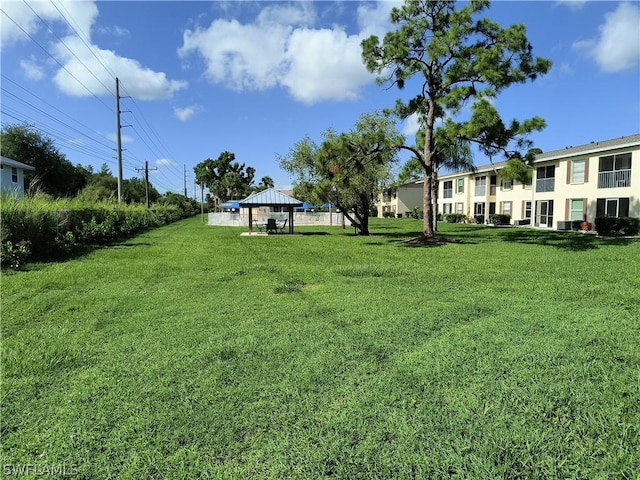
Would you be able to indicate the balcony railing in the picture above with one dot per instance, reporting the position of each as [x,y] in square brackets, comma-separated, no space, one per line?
[492,190]
[447,193]
[614,179]
[545,184]
[481,190]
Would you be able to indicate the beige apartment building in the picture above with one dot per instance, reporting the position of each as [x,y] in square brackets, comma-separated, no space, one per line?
[575,183]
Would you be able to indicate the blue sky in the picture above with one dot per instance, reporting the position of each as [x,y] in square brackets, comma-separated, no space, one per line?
[253,78]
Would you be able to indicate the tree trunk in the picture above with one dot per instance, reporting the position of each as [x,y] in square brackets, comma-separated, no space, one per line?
[436,192]
[427,196]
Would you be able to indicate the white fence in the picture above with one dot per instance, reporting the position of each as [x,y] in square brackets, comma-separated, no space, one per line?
[234,219]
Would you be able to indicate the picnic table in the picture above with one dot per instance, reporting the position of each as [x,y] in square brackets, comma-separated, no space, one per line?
[271,225]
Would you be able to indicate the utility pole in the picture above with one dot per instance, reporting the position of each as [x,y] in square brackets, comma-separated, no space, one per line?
[146,179]
[118,141]
[202,201]
[185,180]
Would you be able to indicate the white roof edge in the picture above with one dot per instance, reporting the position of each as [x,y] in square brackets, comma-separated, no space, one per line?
[14,163]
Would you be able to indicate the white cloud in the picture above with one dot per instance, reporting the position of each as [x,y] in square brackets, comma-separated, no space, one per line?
[186,113]
[165,162]
[92,67]
[280,48]
[31,69]
[240,56]
[618,46]
[114,31]
[411,125]
[86,65]
[324,65]
[572,4]
[123,138]
[82,14]
[299,14]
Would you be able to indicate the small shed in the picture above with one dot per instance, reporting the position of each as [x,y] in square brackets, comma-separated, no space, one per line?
[270,198]
[12,175]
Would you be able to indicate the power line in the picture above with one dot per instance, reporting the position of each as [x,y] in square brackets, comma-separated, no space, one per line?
[55,59]
[55,119]
[53,107]
[82,37]
[66,46]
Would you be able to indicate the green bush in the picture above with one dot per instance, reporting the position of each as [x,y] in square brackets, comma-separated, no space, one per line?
[455,218]
[499,219]
[417,212]
[388,214]
[617,226]
[14,256]
[53,227]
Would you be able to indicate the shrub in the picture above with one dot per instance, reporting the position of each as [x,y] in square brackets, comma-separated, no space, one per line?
[617,226]
[417,212]
[499,219]
[52,227]
[455,218]
[14,255]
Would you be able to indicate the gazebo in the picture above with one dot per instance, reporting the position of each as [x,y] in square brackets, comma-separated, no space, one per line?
[270,198]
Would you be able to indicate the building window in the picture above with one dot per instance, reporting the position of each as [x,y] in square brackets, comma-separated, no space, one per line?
[615,171]
[481,186]
[506,208]
[459,207]
[446,208]
[545,179]
[612,207]
[528,184]
[527,209]
[507,184]
[576,210]
[493,184]
[14,174]
[578,172]
[460,185]
[447,191]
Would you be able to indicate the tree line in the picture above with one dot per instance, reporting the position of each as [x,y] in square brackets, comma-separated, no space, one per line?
[56,176]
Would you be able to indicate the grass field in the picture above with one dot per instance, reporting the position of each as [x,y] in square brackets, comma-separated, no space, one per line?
[191,352]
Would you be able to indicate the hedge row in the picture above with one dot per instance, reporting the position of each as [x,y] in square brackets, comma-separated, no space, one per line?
[617,226]
[43,228]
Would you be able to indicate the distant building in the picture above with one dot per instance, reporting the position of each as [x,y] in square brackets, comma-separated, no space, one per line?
[575,183]
[12,178]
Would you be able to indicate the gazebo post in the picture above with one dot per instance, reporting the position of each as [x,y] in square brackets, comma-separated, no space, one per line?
[290,220]
[250,220]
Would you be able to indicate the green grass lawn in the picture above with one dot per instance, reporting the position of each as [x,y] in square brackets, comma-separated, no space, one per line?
[191,352]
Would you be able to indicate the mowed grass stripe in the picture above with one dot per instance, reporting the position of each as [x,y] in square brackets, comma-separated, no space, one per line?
[192,352]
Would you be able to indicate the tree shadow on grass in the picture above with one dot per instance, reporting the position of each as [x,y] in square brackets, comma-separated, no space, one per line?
[476,234]
[572,241]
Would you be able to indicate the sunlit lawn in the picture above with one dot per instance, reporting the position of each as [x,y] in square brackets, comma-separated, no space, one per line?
[191,352]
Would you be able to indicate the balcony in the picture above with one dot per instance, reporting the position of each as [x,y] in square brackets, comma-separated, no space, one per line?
[447,193]
[481,190]
[545,184]
[614,179]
